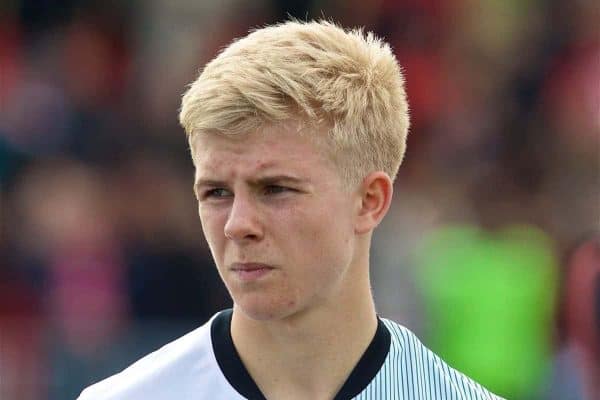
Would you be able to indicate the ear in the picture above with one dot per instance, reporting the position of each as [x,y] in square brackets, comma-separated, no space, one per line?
[375,198]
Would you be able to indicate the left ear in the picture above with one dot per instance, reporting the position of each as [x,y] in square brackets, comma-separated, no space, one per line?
[375,192]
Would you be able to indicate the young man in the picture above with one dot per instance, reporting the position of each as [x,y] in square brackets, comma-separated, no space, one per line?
[296,132]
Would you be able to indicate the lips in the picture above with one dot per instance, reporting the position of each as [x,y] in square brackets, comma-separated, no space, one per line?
[250,271]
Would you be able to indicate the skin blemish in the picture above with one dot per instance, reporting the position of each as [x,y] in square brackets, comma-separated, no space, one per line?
[261,164]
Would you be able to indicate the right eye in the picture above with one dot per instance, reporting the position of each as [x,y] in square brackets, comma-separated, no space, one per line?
[217,193]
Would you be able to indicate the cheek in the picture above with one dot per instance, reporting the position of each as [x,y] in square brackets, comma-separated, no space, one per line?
[323,241]
[212,226]
[338,237]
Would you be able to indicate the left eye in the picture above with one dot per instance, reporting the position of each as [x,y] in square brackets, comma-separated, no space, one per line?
[275,189]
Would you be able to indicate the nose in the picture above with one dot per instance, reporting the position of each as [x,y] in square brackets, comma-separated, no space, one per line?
[243,222]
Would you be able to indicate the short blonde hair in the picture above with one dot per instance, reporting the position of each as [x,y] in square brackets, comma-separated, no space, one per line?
[347,80]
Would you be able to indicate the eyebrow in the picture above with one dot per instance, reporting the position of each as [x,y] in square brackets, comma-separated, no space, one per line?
[263,181]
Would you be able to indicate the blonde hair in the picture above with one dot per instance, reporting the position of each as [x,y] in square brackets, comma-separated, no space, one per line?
[348,81]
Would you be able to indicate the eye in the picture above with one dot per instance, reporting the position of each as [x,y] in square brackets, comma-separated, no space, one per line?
[276,189]
[217,193]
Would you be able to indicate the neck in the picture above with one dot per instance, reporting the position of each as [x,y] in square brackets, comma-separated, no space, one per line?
[313,351]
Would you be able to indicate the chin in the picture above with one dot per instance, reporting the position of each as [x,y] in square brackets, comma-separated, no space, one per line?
[265,309]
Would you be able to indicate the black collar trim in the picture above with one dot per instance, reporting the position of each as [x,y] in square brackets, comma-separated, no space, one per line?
[238,377]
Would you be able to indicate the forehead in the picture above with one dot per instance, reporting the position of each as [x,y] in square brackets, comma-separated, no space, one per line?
[281,147]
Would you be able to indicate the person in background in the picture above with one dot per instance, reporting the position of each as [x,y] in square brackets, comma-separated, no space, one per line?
[488,290]
[577,363]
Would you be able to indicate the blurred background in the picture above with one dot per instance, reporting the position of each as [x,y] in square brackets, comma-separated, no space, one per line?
[490,252]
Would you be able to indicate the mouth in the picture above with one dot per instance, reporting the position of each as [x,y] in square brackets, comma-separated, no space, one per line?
[248,272]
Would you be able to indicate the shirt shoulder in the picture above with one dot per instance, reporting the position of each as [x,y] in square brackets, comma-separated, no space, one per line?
[183,369]
[412,371]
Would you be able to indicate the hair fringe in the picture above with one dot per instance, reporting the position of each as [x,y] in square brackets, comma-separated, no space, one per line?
[318,72]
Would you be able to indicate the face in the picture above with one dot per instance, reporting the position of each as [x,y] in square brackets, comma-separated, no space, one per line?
[277,219]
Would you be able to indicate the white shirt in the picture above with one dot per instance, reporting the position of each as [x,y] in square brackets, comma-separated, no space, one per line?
[204,365]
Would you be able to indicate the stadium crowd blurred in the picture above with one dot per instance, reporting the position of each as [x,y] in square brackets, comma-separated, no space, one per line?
[490,252]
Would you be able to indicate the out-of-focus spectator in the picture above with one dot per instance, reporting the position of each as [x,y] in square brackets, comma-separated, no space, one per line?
[577,366]
[489,299]
[68,235]
[68,231]
[23,372]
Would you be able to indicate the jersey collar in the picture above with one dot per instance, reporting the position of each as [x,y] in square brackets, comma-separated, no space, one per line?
[238,377]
